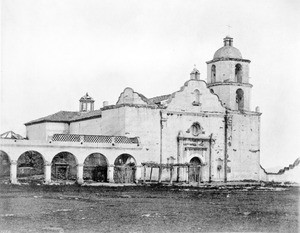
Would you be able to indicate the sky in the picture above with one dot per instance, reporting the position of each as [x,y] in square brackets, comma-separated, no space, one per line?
[54,51]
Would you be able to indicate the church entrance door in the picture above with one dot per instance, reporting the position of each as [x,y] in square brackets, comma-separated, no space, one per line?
[195,170]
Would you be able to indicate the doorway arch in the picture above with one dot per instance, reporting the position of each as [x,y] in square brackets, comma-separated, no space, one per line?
[64,166]
[95,168]
[125,168]
[4,165]
[30,166]
[195,169]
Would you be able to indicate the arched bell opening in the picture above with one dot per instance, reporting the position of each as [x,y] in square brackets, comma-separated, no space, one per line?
[30,167]
[240,99]
[95,168]
[125,169]
[239,73]
[64,166]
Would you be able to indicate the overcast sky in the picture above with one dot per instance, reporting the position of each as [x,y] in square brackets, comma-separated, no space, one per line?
[54,51]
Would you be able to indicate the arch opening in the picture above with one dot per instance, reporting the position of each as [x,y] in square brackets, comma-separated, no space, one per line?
[195,169]
[240,99]
[239,73]
[213,73]
[95,168]
[125,169]
[4,166]
[30,167]
[64,166]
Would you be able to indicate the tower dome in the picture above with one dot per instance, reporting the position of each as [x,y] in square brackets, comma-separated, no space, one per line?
[228,51]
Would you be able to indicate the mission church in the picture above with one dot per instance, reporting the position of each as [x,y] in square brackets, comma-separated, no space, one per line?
[206,130]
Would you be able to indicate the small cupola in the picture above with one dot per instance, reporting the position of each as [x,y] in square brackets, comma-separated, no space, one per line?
[86,103]
[195,74]
[228,41]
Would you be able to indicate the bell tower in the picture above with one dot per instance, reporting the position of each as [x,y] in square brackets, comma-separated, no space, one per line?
[228,77]
[86,103]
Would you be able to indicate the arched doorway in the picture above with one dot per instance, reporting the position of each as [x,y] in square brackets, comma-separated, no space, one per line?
[64,167]
[195,170]
[4,165]
[95,168]
[125,167]
[30,166]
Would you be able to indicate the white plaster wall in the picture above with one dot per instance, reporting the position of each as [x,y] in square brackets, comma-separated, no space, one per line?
[244,151]
[144,123]
[227,95]
[42,131]
[36,131]
[292,175]
[113,122]
[89,127]
[183,99]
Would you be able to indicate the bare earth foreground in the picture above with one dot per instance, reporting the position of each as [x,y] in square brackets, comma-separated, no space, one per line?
[71,208]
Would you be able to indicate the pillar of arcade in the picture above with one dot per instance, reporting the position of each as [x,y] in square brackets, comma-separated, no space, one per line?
[110,174]
[80,173]
[13,171]
[47,171]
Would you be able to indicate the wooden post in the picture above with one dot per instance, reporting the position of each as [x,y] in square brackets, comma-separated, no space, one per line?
[188,175]
[199,175]
[151,174]
[145,174]
[171,175]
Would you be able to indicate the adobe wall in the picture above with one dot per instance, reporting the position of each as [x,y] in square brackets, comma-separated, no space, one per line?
[244,147]
[42,131]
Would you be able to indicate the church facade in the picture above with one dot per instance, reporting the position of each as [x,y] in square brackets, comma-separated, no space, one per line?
[206,129]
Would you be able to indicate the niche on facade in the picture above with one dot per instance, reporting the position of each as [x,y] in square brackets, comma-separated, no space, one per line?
[195,129]
[197,95]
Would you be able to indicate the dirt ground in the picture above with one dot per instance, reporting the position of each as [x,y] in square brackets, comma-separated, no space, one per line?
[151,208]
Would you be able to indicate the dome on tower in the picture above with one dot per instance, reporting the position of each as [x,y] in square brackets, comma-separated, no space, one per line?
[228,51]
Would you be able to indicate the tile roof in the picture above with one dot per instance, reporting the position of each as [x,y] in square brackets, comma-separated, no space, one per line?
[66,117]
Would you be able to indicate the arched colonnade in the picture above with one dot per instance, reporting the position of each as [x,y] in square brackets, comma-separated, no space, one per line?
[69,165]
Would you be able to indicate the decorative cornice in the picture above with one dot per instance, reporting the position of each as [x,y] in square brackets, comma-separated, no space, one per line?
[228,59]
[229,84]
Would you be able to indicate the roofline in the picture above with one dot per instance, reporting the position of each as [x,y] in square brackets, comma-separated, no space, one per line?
[227,59]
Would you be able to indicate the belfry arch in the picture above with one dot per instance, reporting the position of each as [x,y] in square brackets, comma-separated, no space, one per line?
[240,99]
[239,73]
[213,73]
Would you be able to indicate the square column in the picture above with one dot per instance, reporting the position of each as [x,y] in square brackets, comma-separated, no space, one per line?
[47,173]
[138,173]
[80,173]
[13,172]
[110,174]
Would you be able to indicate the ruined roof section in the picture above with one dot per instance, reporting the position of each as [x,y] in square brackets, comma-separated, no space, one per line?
[158,99]
[66,117]
[11,135]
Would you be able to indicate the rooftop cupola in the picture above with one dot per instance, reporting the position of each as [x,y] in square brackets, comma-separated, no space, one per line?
[228,41]
[86,103]
[195,74]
